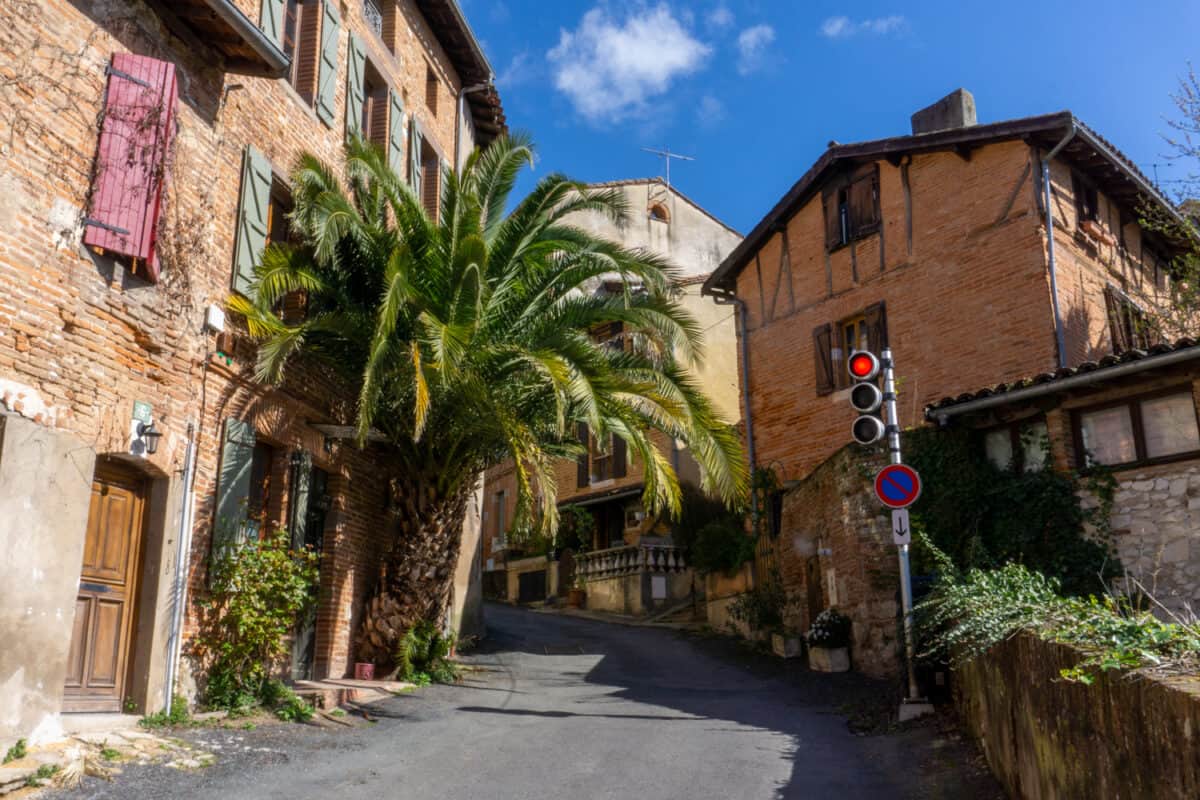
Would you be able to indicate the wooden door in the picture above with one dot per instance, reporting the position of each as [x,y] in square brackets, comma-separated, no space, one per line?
[104,609]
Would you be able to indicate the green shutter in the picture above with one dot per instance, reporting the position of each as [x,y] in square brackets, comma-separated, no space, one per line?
[271,20]
[415,141]
[396,134]
[301,483]
[253,211]
[444,178]
[233,483]
[331,25]
[355,89]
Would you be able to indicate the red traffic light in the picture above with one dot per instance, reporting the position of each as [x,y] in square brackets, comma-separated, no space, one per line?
[863,366]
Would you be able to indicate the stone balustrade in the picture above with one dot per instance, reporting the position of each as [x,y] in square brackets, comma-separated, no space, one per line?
[630,560]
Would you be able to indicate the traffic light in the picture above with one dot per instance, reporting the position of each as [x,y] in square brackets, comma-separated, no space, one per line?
[865,397]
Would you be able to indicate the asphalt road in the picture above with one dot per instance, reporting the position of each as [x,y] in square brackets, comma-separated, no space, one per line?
[568,708]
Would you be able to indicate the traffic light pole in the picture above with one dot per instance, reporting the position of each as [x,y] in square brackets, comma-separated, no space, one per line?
[914,705]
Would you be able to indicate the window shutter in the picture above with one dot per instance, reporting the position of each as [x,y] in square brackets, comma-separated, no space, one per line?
[415,142]
[430,183]
[619,457]
[582,478]
[298,495]
[823,357]
[876,319]
[131,159]
[1116,322]
[331,25]
[864,202]
[396,134]
[356,62]
[443,179]
[233,484]
[833,221]
[253,219]
[270,19]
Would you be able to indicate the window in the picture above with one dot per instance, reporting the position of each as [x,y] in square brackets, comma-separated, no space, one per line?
[832,345]
[659,213]
[1151,428]
[376,105]
[1087,199]
[1127,322]
[431,89]
[300,39]
[259,500]
[279,227]
[431,183]
[500,529]
[602,462]
[851,205]
[373,16]
[1020,446]
[597,465]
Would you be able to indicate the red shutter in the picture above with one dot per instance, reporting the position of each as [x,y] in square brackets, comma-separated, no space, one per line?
[131,160]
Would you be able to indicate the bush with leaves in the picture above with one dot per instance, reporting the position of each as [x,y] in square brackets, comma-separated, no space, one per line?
[424,655]
[258,590]
[969,612]
[761,608]
[575,528]
[714,537]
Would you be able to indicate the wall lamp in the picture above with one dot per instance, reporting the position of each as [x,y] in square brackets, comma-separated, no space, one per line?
[150,435]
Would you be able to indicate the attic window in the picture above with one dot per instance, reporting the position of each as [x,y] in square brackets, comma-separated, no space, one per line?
[659,213]
[1087,199]
[431,90]
[851,207]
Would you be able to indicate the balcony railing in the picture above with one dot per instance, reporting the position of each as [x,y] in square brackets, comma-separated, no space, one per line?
[373,16]
[618,561]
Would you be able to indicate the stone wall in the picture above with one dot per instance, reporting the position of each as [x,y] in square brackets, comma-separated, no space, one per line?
[634,595]
[1047,739]
[835,550]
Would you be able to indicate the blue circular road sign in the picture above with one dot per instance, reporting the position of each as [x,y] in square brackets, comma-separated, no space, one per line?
[897,486]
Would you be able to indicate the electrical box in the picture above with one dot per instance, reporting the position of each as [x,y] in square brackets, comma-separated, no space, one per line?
[214,318]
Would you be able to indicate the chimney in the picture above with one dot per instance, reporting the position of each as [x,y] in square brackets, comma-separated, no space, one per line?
[955,110]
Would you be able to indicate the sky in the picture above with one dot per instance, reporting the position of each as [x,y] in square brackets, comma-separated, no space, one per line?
[754,90]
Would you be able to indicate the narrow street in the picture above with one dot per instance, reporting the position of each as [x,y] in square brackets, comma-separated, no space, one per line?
[563,707]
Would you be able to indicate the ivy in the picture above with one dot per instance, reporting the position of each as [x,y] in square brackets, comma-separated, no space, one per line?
[981,516]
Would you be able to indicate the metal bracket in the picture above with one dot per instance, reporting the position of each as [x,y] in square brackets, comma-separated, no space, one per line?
[112,71]
[95,223]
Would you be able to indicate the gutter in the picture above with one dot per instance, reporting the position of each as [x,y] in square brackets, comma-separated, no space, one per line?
[1059,337]
[179,584]
[276,59]
[943,415]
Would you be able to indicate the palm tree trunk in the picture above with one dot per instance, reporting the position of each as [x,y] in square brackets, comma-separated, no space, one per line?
[416,580]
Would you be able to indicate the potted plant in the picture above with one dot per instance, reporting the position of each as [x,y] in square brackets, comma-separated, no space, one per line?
[785,644]
[576,595]
[829,642]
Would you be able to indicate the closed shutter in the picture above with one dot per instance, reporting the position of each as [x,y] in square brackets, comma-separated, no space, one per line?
[1116,322]
[270,19]
[253,219]
[430,184]
[356,62]
[298,496]
[823,358]
[233,484]
[876,319]
[396,134]
[331,25]
[582,478]
[307,69]
[833,221]
[415,143]
[864,202]
[619,457]
[136,132]
[443,180]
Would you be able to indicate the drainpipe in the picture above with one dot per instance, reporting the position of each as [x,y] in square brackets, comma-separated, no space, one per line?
[179,587]
[739,306]
[1058,325]
[460,111]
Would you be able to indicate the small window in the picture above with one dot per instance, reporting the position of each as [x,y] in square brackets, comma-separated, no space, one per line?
[834,343]
[851,207]
[375,107]
[261,499]
[431,90]
[659,213]
[279,227]
[302,44]
[431,182]
[1087,199]
[1128,325]
[1144,429]
[602,462]
[853,337]
[373,16]
[500,529]
[1020,446]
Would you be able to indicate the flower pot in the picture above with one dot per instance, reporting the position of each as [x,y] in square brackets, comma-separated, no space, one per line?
[786,646]
[364,672]
[576,598]
[829,659]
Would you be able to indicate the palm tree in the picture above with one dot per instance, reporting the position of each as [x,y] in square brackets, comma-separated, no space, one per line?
[470,341]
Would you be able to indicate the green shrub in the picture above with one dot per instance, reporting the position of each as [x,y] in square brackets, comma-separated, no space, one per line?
[18,750]
[179,715]
[257,591]
[713,536]
[424,652]
[761,608]
[44,772]
[293,708]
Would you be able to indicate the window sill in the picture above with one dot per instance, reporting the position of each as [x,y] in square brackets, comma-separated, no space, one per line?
[853,240]
[1193,455]
[602,484]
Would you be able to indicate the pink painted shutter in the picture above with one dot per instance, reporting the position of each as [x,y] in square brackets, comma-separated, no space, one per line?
[131,160]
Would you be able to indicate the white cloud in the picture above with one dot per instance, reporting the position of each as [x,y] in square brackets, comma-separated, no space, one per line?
[518,71]
[752,44]
[710,111]
[720,17]
[611,69]
[844,27]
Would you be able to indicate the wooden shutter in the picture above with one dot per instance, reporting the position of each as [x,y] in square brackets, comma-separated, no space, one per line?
[331,25]
[863,199]
[270,19]
[833,221]
[298,495]
[823,358]
[136,132]
[233,483]
[396,134]
[356,63]
[430,184]
[253,218]
[619,457]
[876,319]
[582,477]
[1113,305]
[415,143]
[443,180]
[306,71]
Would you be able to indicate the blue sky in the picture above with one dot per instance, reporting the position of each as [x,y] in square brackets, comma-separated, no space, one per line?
[755,89]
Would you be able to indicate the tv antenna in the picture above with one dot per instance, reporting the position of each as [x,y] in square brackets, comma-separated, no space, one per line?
[666,155]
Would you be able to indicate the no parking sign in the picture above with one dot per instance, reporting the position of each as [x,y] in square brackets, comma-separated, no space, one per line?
[897,486]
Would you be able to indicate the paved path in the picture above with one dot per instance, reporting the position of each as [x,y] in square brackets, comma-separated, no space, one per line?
[561,707]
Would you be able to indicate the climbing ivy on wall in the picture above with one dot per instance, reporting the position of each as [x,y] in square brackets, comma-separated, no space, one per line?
[982,516]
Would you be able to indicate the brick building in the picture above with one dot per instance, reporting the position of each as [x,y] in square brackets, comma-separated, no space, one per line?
[607,481]
[146,147]
[936,243]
